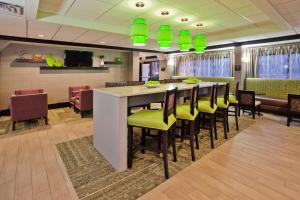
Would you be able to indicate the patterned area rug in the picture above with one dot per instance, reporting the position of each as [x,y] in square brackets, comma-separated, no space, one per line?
[55,116]
[94,178]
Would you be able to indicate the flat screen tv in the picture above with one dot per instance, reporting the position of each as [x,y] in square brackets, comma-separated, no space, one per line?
[78,58]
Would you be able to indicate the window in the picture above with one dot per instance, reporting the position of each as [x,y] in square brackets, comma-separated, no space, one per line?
[210,64]
[219,67]
[273,66]
[281,62]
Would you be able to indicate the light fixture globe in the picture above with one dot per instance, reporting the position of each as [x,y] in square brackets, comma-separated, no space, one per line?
[165,37]
[199,43]
[184,40]
[139,32]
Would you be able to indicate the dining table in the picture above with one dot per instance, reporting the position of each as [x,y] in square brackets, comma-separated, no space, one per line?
[110,111]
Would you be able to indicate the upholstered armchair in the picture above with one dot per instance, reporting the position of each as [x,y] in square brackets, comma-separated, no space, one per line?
[27,105]
[293,108]
[84,102]
[74,93]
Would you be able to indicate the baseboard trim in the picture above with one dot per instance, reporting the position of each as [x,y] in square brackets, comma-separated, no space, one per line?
[6,112]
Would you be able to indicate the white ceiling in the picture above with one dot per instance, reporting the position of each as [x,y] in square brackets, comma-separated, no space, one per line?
[108,21]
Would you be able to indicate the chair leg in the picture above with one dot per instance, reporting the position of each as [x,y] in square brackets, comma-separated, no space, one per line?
[165,154]
[143,141]
[14,126]
[236,117]
[46,120]
[253,113]
[225,123]
[129,147]
[289,120]
[173,129]
[197,132]
[81,114]
[182,130]
[215,126]
[192,137]
[159,142]
[211,124]
[259,110]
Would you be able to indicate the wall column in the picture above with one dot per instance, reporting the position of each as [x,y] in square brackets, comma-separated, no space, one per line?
[133,66]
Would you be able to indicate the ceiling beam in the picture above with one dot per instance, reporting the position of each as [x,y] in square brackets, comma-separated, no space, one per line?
[75,44]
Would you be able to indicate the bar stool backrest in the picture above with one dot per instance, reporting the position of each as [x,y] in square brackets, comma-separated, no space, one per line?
[213,95]
[194,99]
[115,84]
[236,90]
[170,104]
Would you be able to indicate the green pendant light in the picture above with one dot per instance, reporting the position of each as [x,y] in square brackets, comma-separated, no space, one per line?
[184,40]
[139,32]
[165,37]
[199,43]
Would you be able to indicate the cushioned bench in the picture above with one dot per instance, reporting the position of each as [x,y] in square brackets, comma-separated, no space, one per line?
[274,92]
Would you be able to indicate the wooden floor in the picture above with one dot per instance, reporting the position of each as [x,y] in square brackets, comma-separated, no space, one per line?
[30,167]
[263,162]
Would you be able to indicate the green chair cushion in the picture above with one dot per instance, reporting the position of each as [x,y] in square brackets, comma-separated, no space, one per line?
[151,119]
[204,98]
[204,107]
[221,104]
[232,99]
[183,111]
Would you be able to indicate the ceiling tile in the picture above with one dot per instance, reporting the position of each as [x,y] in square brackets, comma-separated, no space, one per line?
[69,33]
[89,9]
[36,28]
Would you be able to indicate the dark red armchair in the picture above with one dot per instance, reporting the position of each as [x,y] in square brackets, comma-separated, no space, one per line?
[84,102]
[27,105]
[74,93]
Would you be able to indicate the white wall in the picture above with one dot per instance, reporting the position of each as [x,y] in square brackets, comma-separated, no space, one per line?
[24,76]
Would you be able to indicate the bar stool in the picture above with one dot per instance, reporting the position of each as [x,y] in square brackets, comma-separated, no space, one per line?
[208,107]
[164,121]
[222,108]
[233,101]
[188,112]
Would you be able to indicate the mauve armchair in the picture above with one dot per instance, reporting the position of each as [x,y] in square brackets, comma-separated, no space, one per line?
[84,102]
[27,105]
[74,93]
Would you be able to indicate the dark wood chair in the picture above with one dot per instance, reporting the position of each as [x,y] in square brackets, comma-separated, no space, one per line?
[188,112]
[247,102]
[223,105]
[115,84]
[208,108]
[293,108]
[233,102]
[161,121]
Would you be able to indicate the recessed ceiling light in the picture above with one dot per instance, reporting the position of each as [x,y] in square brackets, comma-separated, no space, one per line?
[199,24]
[165,12]
[40,35]
[102,42]
[139,4]
[184,19]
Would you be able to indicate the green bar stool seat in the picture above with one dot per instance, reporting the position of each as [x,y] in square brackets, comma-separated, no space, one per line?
[151,119]
[163,121]
[188,112]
